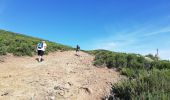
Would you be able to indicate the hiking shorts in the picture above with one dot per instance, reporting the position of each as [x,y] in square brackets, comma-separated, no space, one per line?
[40,53]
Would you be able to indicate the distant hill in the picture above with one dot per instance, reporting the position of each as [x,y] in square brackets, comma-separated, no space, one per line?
[22,45]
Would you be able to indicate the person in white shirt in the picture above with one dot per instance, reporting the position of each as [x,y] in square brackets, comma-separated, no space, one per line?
[41,47]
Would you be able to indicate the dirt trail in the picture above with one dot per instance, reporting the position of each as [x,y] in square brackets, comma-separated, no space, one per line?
[62,76]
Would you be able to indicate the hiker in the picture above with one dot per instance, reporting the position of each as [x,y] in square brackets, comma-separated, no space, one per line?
[77,49]
[41,46]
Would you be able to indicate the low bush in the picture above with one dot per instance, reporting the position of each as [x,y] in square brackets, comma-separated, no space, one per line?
[22,45]
[146,79]
[151,85]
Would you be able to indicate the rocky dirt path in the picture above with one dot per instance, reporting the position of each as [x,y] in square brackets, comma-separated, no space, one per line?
[62,76]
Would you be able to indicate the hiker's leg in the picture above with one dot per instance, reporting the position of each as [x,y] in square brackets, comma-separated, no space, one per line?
[39,54]
[39,58]
[76,52]
[42,53]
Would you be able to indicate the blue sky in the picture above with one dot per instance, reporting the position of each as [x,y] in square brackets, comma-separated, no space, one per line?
[133,26]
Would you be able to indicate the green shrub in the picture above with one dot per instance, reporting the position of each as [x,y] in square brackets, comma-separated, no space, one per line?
[3,50]
[128,72]
[22,45]
[153,85]
[146,79]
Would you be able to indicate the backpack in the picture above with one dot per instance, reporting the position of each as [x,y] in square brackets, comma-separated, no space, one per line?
[40,45]
[78,48]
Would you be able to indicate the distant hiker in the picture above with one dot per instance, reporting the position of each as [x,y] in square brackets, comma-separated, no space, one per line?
[77,49]
[41,46]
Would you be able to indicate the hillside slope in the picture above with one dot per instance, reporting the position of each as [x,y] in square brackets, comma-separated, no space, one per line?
[147,76]
[62,76]
[21,45]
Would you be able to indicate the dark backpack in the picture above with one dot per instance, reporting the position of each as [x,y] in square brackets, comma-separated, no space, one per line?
[78,47]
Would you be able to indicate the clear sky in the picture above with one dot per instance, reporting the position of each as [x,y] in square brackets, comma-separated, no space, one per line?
[137,26]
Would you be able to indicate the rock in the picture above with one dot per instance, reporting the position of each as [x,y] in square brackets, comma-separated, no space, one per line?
[42,84]
[72,72]
[62,90]
[70,83]
[109,83]
[10,76]
[86,89]
[52,98]
[61,93]
[4,94]
[58,88]
[2,59]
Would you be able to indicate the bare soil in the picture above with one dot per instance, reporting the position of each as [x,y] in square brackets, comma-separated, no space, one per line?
[61,76]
